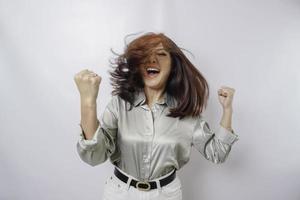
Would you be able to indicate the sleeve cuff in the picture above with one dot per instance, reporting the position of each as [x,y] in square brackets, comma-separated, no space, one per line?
[89,145]
[226,136]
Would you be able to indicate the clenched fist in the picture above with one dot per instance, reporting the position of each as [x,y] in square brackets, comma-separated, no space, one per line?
[225,96]
[88,84]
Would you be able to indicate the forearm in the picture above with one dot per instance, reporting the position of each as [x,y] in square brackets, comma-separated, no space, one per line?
[226,119]
[89,121]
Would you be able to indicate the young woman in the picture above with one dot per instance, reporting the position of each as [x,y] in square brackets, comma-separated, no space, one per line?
[152,120]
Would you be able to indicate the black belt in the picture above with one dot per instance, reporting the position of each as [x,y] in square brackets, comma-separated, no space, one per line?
[141,185]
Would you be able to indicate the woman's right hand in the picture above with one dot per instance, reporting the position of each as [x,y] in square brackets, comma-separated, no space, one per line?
[88,84]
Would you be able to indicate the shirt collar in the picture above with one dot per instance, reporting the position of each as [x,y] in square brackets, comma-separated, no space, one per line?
[140,98]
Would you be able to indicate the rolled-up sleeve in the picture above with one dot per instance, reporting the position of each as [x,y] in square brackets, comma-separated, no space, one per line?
[103,145]
[213,145]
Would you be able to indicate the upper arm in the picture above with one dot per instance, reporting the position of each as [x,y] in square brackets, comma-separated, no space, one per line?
[213,145]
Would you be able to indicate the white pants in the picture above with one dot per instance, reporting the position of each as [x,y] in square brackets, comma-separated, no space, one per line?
[115,189]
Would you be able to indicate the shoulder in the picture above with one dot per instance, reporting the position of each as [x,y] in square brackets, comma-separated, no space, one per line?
[117,103]
[197,121]
[113,103]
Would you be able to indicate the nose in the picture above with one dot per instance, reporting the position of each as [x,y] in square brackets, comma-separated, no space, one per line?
[152,59]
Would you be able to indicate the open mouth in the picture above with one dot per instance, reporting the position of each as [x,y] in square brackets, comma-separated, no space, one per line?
[152,71]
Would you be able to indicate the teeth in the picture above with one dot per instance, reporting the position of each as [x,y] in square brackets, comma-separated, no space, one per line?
[152,69]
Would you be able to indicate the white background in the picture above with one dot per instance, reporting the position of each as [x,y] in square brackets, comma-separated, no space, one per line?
[252,46]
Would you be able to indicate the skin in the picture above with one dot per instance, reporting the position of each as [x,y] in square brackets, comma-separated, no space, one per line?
[154,87]
[88,86]
[87,83]
[225,96]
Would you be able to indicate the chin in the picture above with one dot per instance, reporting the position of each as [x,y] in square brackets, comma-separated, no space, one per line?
[153,86]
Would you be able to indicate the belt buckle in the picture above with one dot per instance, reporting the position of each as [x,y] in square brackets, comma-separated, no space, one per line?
[141,188]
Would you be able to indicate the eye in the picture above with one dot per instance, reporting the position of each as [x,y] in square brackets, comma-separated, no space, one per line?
[162,54]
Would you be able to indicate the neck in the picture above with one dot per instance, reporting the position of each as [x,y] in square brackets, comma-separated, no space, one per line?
[153,95]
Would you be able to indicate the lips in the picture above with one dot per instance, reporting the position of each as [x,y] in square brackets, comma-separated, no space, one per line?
[152,71]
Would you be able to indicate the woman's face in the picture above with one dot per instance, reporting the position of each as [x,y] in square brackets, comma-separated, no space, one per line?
[156,69]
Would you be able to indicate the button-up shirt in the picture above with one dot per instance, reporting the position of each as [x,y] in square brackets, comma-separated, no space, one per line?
[147,144]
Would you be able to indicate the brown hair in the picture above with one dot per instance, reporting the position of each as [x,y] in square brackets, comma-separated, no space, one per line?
[185,83]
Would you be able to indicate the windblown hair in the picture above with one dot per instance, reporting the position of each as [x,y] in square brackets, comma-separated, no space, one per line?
[185,83]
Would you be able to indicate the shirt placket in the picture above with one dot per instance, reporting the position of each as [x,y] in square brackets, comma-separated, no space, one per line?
[148,137]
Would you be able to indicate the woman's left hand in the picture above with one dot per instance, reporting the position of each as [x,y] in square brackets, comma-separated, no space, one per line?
[225,96]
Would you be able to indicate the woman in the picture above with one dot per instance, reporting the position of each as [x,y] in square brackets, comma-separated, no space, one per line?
[152,120]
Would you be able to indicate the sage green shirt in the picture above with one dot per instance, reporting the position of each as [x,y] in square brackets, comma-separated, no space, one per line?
[147,144]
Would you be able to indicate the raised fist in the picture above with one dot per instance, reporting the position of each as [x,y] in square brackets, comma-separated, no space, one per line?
[88,84]
[225,96]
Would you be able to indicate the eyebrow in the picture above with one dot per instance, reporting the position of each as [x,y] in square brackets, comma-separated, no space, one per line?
[160,49]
